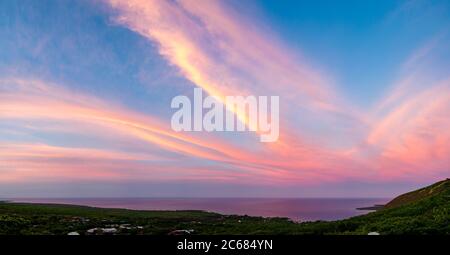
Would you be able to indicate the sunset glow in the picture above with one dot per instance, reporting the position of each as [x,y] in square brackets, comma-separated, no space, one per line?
[85,97]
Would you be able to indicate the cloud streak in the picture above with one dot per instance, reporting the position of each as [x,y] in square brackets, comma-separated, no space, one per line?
[323,137]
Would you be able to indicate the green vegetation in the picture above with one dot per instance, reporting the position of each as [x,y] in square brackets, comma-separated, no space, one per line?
[425,211]
[413,196]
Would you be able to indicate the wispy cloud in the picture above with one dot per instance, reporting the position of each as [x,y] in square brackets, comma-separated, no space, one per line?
[323,138]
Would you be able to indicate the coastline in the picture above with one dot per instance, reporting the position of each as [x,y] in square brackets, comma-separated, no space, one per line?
[406,214]
[296,209]
[371,208]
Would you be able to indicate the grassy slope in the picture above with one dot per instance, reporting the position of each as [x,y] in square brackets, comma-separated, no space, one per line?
[420,194]
[425,211]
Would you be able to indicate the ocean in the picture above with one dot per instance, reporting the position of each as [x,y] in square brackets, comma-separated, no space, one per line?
[297,209]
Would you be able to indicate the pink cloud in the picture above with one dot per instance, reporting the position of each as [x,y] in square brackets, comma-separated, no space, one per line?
[406,136]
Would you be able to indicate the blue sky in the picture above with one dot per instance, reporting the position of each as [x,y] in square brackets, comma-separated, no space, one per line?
[349,39]
[362,43]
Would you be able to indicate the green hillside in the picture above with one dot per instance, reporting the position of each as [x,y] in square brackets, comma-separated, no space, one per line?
[414,196]
[424,211]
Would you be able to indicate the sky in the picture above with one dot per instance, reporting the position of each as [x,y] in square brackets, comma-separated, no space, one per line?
[86,88]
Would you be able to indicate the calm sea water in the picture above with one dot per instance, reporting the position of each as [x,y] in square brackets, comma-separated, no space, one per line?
[299,209]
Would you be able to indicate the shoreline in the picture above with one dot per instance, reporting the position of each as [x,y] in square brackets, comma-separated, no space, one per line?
[311,209]
[371,208]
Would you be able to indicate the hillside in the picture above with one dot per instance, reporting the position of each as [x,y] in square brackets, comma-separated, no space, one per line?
[424,211]
[414,196]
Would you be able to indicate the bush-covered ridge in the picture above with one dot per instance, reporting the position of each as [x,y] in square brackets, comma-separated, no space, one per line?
[414,196]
